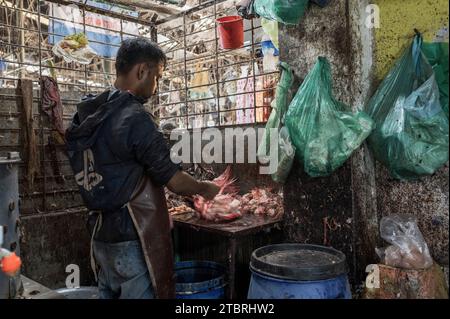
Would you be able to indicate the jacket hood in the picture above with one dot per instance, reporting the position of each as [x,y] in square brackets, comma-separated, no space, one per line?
[91,114]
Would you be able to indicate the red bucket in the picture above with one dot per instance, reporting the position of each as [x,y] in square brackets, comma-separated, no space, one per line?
[231,32]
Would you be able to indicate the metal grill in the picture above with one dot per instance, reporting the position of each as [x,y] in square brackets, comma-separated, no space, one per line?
[26,26]
[205,85]
[25,49]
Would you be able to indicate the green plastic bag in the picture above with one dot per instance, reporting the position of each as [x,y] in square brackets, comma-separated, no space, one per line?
[437,56]
[284,11]
[276,120]
[411,137]
[324,131]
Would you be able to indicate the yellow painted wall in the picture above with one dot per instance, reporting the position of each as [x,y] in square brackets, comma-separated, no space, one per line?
[398,19]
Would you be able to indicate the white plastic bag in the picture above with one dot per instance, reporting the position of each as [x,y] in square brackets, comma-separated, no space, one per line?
[409,249]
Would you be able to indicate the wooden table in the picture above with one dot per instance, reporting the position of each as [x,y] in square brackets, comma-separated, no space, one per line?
[247,225]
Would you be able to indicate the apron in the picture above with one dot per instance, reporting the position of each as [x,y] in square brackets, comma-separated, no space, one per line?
[148,210]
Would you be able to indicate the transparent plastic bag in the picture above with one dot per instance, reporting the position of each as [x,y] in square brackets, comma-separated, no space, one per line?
[411,137]
[286,155]
[72,51]
[284,11]
[408,247]
[323,130]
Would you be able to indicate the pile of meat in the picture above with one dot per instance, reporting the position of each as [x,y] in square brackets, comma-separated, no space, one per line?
[228,205]
[262,201]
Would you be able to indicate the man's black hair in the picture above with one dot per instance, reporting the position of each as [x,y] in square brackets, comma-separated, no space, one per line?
[137,50]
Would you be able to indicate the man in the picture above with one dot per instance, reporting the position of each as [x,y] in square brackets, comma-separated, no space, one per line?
[121,163]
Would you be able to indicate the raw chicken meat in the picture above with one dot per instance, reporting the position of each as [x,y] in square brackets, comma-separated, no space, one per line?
[226,205]
[262,201]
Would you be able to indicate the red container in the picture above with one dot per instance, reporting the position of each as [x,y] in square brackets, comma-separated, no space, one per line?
[231,32]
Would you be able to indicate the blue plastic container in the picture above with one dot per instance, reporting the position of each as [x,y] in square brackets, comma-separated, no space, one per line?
[200,280]
[268,44]
[295,271]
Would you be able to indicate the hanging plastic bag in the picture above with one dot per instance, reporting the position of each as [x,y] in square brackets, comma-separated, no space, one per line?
[411,137]
[245,9]
[437,56]
[284,11]
[275,121]
[286,155]
[74,48]
[323,130]
[408,248]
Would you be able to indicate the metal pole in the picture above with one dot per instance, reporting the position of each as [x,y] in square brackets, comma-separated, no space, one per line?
[253,59]
[41,117]
[21,18]
[85,66]
[185,73]
[217,63]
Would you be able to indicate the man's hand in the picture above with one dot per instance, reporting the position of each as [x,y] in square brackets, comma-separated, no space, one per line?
[210,190]
[184,184]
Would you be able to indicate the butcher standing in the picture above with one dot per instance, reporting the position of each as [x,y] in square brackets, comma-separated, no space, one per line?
[121,164]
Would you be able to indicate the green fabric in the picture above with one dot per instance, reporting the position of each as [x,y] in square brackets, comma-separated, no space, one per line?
[411,135]
[275,121]
[437,56]
[284,11]
[323,130]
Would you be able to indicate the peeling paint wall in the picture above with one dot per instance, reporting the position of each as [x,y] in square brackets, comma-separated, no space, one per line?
[398,19]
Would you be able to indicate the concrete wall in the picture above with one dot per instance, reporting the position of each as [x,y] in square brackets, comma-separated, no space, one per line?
[344,210]
[326,210]
[427,199]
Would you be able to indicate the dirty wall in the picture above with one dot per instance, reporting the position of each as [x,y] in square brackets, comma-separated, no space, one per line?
[428,199]
[343,210]
[52,221]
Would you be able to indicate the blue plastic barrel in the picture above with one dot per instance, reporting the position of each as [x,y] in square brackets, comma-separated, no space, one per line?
[200,280]
[296,271]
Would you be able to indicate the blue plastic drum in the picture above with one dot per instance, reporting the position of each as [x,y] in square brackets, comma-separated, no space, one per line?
[295,271]
[200,280]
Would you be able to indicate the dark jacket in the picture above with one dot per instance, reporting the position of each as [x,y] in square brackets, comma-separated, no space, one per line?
[111,143]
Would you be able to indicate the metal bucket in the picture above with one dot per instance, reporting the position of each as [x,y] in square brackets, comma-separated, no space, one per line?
[9,218]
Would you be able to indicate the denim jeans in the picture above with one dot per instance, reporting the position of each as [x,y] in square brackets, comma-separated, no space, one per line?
[123,272]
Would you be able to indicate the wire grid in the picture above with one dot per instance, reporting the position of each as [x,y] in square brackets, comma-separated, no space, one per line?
[205,85]
[25,53]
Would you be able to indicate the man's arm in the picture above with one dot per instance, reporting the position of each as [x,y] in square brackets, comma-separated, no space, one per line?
[151,150]
[184,184]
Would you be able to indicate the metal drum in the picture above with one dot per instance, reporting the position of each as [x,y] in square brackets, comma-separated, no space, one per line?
[9,218]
